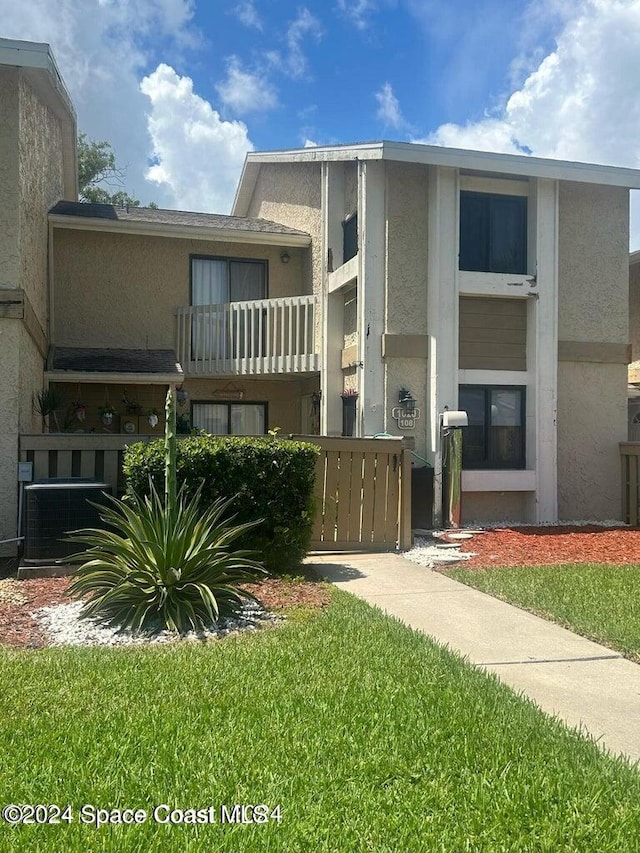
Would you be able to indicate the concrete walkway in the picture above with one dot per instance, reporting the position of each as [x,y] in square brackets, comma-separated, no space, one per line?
[585,684]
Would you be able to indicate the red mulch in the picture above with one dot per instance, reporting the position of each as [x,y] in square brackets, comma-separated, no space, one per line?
[529,546]
[18,599]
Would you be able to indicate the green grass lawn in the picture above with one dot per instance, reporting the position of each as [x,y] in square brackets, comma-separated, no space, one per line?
[597,601]
[369,737]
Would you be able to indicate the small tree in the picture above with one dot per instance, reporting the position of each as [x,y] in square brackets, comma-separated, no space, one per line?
[97,166]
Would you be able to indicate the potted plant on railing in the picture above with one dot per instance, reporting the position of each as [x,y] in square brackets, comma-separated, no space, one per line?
[106,414]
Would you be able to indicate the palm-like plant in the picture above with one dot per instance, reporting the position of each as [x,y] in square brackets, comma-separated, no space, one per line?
[163,564]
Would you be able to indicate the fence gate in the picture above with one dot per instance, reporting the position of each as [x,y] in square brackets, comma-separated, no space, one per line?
[362,494]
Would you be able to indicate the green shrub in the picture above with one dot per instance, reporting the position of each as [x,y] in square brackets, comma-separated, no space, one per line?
[163,565]
[265,478]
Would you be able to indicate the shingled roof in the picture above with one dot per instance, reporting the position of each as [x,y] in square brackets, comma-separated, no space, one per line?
[153,216]
[109,360]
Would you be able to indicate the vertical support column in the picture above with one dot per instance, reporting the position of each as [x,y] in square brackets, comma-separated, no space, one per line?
[332,305]
[545,330]
[371,293]
[442,314]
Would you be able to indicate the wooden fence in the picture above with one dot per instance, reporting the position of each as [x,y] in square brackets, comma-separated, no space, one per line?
[362,492]
[630,461]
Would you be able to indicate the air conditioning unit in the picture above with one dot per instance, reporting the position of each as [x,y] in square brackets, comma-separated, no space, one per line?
[53,508]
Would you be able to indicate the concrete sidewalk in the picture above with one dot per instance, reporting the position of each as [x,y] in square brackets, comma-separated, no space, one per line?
[582,683]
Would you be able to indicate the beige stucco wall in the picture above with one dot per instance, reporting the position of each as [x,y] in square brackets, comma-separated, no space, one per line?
[406,289]
[350,188]
[9,233]
[592,419]
[485,507]
[291,195]
[41,186]
[593,279]
[122,290]
[31,178]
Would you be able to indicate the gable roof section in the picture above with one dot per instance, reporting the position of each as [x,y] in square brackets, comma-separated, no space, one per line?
[483,162]
[173,223]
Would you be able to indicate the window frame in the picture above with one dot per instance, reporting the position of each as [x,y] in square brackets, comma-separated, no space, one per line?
[488,464]
[350,236]
[229,404]
[489,199]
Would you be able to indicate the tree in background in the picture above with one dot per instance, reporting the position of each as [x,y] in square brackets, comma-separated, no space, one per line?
[97,165]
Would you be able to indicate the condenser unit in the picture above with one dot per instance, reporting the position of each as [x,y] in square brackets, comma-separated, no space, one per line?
[53,508]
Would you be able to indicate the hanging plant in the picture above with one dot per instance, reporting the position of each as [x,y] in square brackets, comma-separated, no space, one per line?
[79,410]
[106,414]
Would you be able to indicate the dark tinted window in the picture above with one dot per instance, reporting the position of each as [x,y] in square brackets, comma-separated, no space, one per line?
[495,435]
[493,233]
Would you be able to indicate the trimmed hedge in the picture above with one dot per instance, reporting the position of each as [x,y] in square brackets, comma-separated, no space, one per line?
[268,478]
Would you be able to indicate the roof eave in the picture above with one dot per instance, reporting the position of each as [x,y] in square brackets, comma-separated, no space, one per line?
[162,229]
[94,376]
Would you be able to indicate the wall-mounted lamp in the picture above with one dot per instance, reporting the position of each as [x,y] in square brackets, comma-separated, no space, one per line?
[181,395]
[407,401]
[285,257]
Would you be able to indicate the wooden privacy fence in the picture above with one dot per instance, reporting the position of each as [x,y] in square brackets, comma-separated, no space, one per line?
[362,493]
[362,490]
[630,460]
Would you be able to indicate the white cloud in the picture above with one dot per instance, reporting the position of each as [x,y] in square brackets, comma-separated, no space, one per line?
[357,11]
[389,107]
[294,62]
[101,50]
[580,103]
[244,92]
[198,156]
[309,143]
[248,15]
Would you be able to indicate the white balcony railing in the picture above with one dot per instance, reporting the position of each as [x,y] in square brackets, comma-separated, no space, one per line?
[258,336]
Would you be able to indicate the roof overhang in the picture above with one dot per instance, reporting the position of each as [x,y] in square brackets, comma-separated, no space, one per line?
[189,232]
[483,162]
[95,377]
[37,63]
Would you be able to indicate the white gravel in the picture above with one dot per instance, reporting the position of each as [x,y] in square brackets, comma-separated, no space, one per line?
[64,627]
[428,552]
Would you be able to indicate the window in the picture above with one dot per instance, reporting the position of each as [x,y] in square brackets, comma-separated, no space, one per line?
[349,238]
[493,233]
[230,418]
[217,282]
[495,435]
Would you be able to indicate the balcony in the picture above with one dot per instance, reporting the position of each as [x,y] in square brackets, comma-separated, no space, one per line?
[262,336]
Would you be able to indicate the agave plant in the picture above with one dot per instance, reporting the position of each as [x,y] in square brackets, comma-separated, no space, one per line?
[163,564]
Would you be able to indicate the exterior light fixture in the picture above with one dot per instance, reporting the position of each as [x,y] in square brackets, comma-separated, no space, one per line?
[407,401]
[285,257]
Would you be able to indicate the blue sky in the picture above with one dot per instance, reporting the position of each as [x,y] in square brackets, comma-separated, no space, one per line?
[184,88]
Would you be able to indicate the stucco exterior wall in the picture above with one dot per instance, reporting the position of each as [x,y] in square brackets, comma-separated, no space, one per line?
[291,195]
[9,231]
[592,419]
[485,507]
[406,284]
[41,186]
[593,263]
[406,290]
[122,290]
[593,304]
[31,178]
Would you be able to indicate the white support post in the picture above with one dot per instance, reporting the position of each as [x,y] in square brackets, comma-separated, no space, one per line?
[545,330]
[442,313]
[332,304]
[371,296]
